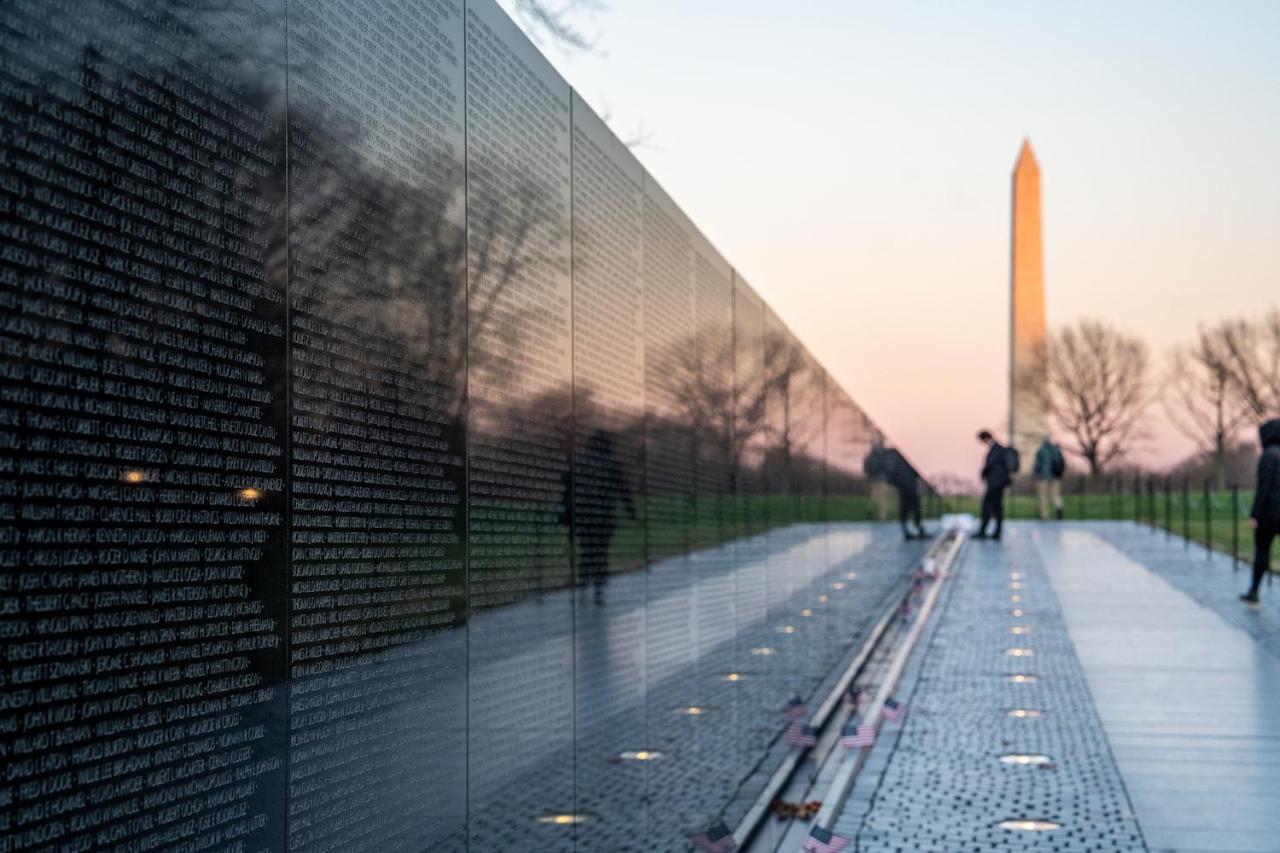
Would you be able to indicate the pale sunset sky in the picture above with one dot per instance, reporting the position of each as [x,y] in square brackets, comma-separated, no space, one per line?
[852,160]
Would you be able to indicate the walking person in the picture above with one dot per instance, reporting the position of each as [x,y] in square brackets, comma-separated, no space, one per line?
[997,473]
[1049,468]
[1264,518]
[603,494]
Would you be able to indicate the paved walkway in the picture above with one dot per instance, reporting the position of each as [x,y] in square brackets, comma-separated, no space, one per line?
[1150,696]
[733,631]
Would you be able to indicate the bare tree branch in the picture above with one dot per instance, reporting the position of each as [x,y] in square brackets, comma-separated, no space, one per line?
[1251,353]
[545,21]
[1099,389]
[1201,400]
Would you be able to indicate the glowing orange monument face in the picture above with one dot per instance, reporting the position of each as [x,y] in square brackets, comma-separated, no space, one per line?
[1028,401]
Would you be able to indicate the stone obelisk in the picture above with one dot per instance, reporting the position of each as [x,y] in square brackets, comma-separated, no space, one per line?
[1028,376]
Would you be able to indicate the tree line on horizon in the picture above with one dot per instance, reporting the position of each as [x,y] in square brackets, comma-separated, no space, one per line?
[1101,384]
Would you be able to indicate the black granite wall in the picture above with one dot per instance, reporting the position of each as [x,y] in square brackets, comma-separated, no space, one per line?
[334,336]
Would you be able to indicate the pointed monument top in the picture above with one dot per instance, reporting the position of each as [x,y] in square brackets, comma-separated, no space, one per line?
[1026,157]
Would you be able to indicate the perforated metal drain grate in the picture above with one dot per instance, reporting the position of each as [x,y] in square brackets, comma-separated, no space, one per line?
[943,786]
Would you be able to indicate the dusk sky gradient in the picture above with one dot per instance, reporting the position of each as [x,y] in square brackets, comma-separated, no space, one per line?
[852,160]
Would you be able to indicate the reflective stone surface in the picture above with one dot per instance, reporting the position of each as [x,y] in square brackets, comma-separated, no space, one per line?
[377,590]
[144,419]
[386,461]
[520,685]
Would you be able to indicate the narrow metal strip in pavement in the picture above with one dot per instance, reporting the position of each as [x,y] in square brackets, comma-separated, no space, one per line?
[786,769]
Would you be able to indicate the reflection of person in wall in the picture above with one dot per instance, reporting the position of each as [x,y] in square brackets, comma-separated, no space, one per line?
[903,478]
[997,474]
[1264,518]
[876,467]
[601,491]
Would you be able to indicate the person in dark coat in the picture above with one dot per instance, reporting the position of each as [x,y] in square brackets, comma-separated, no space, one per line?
[906,482]
[1264,518]
[876,467]
[997,476]
[603,491]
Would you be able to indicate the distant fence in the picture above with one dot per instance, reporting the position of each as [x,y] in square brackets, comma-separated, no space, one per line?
[1214,518]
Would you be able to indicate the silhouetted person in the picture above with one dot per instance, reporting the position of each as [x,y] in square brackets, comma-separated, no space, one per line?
[997,475]
[876,467]
[602,490]
[903,478]
[1264,518]
[1048,470]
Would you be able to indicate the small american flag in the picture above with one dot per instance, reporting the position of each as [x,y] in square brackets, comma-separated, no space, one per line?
[717,839]
[857,735]
[795,708]
[799,734]
[824,841]
[893,710]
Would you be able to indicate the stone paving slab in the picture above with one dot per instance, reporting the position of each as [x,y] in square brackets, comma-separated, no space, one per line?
[940,785]
[1187,692]
[1209,577]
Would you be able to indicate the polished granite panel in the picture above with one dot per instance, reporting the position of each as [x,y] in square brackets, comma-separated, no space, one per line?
[709,400]
[143,411]
[519,418]
[750,513]
[608,478]
[378,648]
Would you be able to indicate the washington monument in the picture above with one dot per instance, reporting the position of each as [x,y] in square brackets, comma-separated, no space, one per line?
[1028,379]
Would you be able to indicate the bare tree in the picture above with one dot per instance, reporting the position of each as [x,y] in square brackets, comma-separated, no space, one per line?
[784,369]
[560,24]
[557,22]
[1099,388]
[1201,399]
[1251,351]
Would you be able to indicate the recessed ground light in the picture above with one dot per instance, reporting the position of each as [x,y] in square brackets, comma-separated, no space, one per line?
[1015,598]
[1017,614]
[851,575]
[1029,825]
[691,711]
[1019,629]
[1024,713]
[640,755]
[1015,586]
[1019,653]
[822,599]
[1026,760]
[787,629]
[733,676]
[1016,576]
[563,819]
[806,612]
[762,650]
[1024,679]
[838,585]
